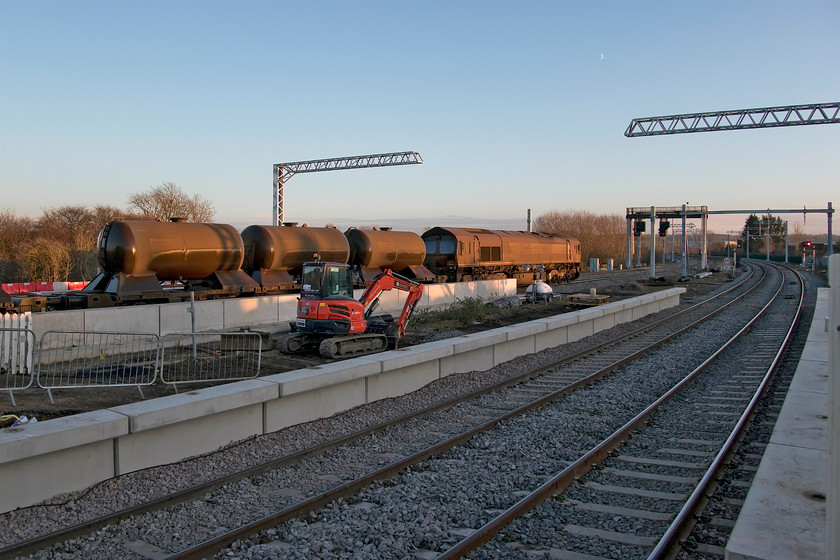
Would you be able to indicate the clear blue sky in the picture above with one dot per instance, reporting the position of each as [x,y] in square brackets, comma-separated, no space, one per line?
[511,105]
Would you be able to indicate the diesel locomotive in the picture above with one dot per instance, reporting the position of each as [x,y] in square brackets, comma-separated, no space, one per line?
[465,254]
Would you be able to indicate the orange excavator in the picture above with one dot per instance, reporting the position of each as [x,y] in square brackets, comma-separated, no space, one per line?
[328,316]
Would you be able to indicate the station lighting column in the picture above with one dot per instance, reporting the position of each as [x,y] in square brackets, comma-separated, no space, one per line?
[786,242]
[638,241]
[629,247]
[767,237]
[653,242]
[685,245]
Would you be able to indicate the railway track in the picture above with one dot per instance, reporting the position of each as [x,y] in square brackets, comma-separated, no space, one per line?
[642,273]
[663,462]
[369,452]
[714,525]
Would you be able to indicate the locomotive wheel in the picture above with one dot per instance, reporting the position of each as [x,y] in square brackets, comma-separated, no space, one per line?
[290,343]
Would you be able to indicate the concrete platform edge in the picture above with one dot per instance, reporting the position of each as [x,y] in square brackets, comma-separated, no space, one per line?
[154,432]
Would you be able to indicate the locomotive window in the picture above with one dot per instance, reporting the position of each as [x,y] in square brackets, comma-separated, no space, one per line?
[491,253]
[447,245]
[431,245]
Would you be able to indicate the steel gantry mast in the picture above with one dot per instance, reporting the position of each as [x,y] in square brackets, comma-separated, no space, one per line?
[284,171]
[790,115]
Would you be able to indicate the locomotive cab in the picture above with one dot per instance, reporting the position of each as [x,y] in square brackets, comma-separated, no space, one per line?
[441,258]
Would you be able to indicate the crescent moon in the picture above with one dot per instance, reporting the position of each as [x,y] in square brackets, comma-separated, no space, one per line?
[602,56]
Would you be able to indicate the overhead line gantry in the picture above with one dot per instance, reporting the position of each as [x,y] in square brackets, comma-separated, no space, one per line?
[768,117]
[284,171]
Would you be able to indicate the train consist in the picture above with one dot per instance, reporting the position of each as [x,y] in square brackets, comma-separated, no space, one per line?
[157,262]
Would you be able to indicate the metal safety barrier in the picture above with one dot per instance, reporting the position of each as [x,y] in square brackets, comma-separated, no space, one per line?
[17,348]
[73,359]
[205,357]
[88,359]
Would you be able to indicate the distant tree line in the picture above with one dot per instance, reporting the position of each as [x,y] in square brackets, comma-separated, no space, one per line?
[60,244]
[601,236]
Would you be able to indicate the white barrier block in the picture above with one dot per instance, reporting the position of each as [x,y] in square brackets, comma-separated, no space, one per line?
[475,352]
[324,375]
[520,340]
[248,312]
[307,406]
[38,461]
[136,319]
[172,409]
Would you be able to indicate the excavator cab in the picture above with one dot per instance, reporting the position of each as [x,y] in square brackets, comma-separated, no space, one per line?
[326,280]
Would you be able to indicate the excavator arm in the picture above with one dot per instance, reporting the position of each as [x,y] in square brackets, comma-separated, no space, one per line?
[389,281]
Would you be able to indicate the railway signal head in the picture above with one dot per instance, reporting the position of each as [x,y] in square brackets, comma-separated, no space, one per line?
[740,243]
[663,227]
[639,228]
[807,244]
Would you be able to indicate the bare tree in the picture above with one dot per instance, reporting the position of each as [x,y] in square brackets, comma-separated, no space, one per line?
[600,235]
[24,256]
[798,235]
[167,201]
[75,225]
[16,235]
[47,260]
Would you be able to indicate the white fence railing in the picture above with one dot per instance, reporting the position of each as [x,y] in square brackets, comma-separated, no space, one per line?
[17,350]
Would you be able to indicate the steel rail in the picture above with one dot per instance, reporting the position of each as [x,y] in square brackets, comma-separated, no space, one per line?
[681,526]
[219,542]
[181,496]
[585,463]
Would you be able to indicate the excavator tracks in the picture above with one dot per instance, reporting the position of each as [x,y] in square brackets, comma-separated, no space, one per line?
[352,345]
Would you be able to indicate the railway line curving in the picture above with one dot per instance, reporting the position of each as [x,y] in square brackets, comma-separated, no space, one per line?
[421,519]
